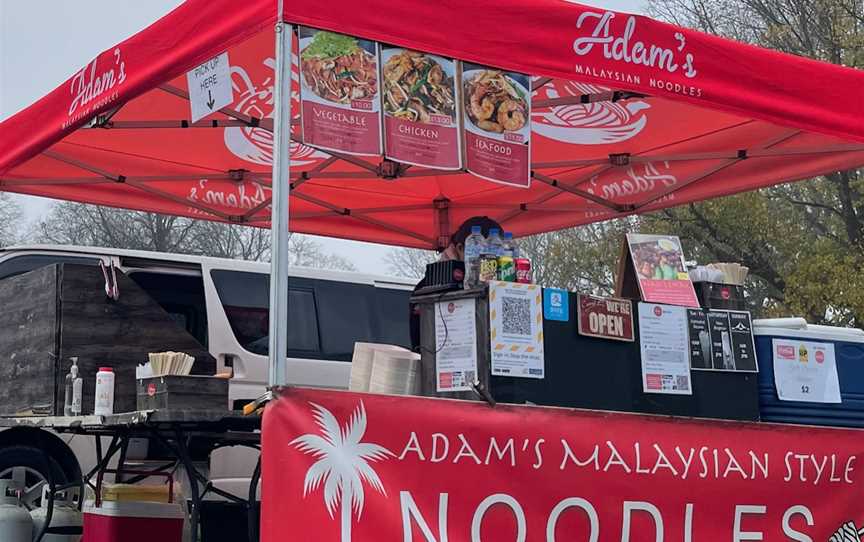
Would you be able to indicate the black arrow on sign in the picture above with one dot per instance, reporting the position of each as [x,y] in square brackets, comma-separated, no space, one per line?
[211,101]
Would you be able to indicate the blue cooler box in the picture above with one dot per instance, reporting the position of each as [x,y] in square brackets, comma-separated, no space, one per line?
[849,353]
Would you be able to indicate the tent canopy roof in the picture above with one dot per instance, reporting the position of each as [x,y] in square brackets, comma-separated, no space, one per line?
[628,115]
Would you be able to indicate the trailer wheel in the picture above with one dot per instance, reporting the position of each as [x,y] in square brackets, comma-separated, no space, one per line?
[30,467]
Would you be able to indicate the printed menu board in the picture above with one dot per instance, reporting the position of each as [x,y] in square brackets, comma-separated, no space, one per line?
[497,116]
[721,341]
[421,121]
[339,100]
[805,371]
[700,339]
[743,348]
[658,261]
[663,346]
[456,345]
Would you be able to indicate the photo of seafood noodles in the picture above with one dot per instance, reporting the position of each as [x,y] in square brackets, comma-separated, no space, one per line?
[336,68]
[417,88]
[495,103]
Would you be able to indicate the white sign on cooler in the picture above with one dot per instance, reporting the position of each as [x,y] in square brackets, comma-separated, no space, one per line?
[209,87]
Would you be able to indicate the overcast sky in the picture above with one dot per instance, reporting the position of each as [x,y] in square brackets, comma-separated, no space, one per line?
[39,52]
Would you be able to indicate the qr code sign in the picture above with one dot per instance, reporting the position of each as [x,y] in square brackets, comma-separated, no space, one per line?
[516,316]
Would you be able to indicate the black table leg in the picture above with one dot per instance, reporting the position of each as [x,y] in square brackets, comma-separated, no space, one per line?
[254,514]
[192,475]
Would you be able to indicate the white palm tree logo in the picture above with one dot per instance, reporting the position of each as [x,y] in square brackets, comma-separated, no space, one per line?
[343,463]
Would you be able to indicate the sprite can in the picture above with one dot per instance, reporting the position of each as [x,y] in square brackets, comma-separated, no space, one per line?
[506,269]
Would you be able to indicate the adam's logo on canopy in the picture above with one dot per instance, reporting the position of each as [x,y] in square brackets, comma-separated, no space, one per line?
[90,86]
[255,144]
[598,123]
[623,47]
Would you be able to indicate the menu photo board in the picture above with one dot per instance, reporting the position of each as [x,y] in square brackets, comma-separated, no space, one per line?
[721,341]
[339,92]
[497,116]
[420,96]
[658,264]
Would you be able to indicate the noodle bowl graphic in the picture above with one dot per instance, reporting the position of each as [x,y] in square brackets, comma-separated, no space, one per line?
[600,123]
[255,144]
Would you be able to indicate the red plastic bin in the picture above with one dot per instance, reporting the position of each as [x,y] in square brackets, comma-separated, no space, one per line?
[133,522]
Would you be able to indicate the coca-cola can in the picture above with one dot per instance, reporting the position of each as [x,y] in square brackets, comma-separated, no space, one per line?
[523,270]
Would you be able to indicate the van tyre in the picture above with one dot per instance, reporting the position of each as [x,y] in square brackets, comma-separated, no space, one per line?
[32,466]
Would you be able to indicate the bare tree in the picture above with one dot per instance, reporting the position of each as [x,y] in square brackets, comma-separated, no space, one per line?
[306,252]
[231,241]
[10,220]
[409,262]
[71,223]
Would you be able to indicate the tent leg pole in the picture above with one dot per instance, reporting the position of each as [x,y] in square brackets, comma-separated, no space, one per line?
[280,234]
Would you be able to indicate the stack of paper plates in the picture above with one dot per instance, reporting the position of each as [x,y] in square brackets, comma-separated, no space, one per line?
[361,363]
[395,372]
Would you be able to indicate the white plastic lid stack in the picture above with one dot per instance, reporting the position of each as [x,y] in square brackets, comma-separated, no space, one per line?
[395,373]
[361,363]
[799,328]
[784,323]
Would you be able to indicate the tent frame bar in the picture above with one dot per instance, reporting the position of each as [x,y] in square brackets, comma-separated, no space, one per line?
[279,223]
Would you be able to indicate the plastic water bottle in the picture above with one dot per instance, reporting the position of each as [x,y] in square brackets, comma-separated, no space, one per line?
[494,243]
[510,247]
[473,247]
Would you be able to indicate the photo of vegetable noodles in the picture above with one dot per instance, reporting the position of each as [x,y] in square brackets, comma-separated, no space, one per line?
[337,69]
[495,103]
[416,87]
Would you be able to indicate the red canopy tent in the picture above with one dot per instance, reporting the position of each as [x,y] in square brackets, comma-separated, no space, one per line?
[629,115]
[611,135]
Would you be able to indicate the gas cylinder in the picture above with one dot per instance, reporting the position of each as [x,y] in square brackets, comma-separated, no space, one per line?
[16,525]
[65,518]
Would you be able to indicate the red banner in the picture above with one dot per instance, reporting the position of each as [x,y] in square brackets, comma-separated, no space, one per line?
[345,466]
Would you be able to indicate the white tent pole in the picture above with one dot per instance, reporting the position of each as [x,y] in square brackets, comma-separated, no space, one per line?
[279,215]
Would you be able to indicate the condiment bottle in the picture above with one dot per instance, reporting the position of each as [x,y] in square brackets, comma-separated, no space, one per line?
[104,392]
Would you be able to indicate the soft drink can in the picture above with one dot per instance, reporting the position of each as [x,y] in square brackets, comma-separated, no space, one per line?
[488,268]
[523,270]
[506,269]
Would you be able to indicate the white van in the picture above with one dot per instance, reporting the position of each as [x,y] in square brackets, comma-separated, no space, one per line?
[224,305]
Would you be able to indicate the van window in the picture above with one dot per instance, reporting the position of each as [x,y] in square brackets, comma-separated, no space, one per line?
[28,262]
[346,316]
[246,300]
[392,309]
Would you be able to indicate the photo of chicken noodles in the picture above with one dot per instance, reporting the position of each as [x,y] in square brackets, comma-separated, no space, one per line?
[417,88]
[336,68]
[494,102]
